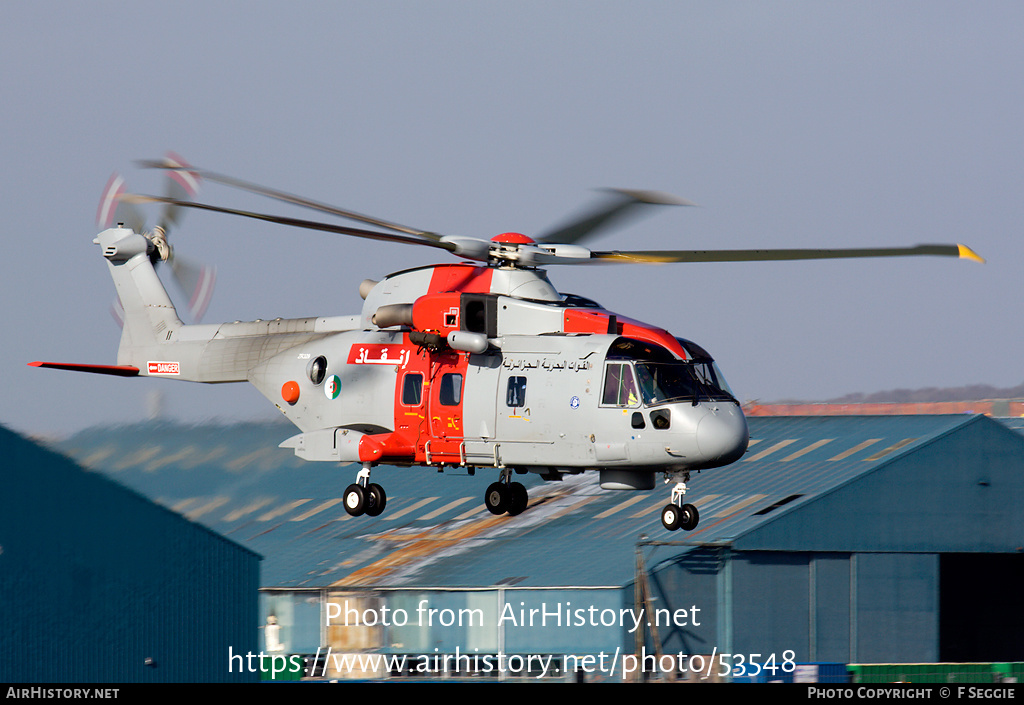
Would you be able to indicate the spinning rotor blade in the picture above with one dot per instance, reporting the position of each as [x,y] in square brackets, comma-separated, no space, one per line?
[182,184]
[197,281]
[296,222]
[623,204]
[289,198]
[664,256]
[113,209]
[555,247]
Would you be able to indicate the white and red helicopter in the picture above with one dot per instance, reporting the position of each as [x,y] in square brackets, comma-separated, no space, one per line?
[481,364]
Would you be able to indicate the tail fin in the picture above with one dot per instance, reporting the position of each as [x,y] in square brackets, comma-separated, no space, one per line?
[149,315]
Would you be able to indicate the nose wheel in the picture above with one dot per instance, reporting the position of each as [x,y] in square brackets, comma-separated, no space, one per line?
[364,497]
[506,497]
[678,515]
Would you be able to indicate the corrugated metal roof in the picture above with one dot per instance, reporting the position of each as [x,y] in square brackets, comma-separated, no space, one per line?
[1016,423]
[435,530]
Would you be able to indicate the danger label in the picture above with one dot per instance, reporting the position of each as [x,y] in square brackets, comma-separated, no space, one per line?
[163,368]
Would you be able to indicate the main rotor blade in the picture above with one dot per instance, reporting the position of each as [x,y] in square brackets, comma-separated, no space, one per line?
[664,256]
[289,198]
[625,203]
[294,222]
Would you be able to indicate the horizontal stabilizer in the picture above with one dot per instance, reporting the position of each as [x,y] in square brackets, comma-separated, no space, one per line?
[116,370]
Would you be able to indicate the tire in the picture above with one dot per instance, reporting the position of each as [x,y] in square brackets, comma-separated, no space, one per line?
[670,517]
[497,498]
[377,499]
[354,500]
[688,517]
[518,499]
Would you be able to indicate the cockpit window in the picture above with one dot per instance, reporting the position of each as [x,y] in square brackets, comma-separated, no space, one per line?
[662,382]
[619,385]
[661,376]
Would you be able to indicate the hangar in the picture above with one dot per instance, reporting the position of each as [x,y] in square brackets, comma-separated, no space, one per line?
[100,585]
[841,539]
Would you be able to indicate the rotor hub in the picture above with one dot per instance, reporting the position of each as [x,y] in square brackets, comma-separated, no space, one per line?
[513,239]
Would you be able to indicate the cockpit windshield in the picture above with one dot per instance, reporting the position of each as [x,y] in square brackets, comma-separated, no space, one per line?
[663,378]
[662,382]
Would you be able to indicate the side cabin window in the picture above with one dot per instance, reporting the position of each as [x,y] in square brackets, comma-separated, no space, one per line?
[515,396]
[619,385]
[412,389]
[450,393]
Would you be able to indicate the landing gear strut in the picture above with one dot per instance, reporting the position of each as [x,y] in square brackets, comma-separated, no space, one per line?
[364,497]
[504,496]
[678,515]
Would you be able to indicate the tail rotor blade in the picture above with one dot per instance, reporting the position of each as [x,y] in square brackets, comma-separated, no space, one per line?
[197,282]
[182,185]
[117,311]
[112,210]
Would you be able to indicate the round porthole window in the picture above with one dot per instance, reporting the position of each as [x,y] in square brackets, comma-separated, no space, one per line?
[317,369]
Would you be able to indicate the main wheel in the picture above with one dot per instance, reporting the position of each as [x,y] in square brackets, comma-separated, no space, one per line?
[355,500]
[497,498]
[688,517]
[670,517]
[376,498]
[518,498]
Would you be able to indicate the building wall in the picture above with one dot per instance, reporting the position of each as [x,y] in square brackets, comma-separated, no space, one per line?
[895,608]
[807,607]
[417,623]
[100,585]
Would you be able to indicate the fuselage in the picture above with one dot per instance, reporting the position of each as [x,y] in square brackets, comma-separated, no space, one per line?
[535,383]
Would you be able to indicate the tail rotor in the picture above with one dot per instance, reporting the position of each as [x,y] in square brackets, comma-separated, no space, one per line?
[195,279]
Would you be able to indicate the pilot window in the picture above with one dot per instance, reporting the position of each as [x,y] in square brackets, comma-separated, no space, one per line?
[412,389]
[619,385]
[516,394]
[450,393]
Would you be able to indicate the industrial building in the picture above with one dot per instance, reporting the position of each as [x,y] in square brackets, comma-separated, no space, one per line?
[835,539]
[100,585]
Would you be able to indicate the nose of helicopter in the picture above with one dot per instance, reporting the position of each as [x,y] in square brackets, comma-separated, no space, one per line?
[722,435]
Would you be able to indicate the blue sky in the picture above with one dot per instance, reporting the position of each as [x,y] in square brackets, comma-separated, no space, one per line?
[796,124]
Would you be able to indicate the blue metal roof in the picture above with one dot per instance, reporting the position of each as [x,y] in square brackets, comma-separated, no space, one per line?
[435,531]
[1015,423]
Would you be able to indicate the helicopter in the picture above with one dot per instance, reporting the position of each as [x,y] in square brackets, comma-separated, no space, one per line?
[481,364]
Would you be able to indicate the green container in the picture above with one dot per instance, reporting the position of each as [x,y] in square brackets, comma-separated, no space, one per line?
[936,672]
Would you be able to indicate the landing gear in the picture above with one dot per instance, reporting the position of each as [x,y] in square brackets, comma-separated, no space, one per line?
[497,497]
[355,500]
[364,497]
[678,515]
[670,517]
[518,500]
[688,518]
[506,497]
[379,500]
